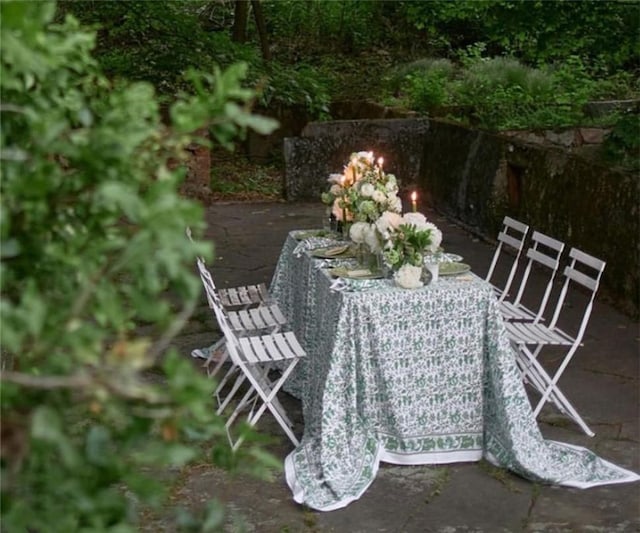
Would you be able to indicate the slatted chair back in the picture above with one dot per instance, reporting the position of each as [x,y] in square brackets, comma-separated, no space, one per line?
[511,241]
[242,296]
[544,253]
[586,271]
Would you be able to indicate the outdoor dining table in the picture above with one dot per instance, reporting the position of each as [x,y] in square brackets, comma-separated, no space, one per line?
[419,376]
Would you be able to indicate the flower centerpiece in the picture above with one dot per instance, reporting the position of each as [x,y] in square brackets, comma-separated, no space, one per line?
[358,197]
[405,239]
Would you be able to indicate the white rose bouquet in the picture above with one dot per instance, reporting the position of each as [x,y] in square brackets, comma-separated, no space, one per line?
[362,192]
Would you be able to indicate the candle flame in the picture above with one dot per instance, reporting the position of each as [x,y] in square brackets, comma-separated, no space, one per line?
[380,161]
[414,196]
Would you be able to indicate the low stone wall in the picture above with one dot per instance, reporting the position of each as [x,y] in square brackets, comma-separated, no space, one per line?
[324,148]
[478,178]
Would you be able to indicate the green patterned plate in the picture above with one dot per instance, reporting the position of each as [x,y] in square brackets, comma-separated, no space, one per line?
[453,269]
[333,252]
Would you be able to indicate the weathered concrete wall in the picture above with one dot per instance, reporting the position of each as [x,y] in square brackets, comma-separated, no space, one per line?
[479,177]
[460,167]
[584,204]
[324,148]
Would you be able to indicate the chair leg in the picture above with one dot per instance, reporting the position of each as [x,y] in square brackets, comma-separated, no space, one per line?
[549,389]
[239,380]
[267,392]
[249,397]
[271,402]
[223,358]
[217,393]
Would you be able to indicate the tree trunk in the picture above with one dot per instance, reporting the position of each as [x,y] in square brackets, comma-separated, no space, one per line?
[239,33]
[258,15]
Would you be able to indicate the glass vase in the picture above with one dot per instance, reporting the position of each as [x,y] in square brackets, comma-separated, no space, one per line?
[433,269]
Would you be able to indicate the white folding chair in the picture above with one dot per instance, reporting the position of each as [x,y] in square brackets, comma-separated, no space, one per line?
[263,319]
[250,309]
[255,357]
[531,337]
[510,239]
[544,252]
[241,296]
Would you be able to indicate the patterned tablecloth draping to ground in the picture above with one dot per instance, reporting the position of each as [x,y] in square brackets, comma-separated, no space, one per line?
[419,376]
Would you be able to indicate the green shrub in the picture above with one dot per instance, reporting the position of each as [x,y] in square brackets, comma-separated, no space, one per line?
[288,86]
[93,247]
[622,145]
[503,93]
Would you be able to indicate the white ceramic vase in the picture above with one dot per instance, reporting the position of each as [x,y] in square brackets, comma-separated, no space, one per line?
[408,277]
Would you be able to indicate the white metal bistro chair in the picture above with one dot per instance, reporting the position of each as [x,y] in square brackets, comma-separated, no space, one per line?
[510,242]
[531,337]
[258,320]
[241,296]
[250,308]
[255,357]
[544,252]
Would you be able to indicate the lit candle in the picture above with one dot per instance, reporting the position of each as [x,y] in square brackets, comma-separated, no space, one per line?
[414,197]
[380,161]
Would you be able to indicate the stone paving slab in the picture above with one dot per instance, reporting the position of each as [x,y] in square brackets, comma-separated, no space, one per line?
[602,381]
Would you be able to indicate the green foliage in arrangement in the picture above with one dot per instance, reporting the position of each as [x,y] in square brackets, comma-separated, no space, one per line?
[93,249]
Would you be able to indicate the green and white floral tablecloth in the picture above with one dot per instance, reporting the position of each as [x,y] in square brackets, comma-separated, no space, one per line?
[417,376]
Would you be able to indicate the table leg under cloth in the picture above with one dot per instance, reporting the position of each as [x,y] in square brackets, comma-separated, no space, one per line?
[409,377]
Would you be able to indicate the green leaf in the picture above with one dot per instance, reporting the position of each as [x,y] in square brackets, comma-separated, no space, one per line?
[98,446]
[46,426]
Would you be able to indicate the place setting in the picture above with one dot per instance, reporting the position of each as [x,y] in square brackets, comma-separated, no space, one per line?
[341,251]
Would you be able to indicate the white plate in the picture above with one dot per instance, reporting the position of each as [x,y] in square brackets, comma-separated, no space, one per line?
[333,252]
[452,258]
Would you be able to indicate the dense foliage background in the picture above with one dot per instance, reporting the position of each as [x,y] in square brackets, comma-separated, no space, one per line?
[495,64]
[322,49]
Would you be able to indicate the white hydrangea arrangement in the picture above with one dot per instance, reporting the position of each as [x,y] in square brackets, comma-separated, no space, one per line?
[363,191]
